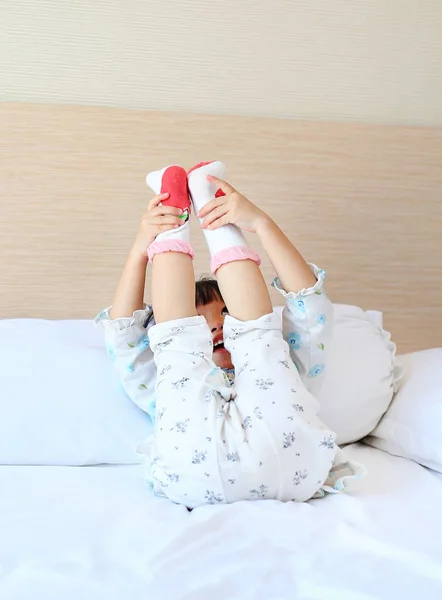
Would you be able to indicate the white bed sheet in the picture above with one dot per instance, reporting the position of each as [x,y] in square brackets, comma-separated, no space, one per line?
[435,474]
[95,533]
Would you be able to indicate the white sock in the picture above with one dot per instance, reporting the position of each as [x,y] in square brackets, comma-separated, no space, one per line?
[227,243]
[173,180]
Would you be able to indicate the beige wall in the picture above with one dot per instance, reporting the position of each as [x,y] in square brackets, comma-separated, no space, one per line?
[359,60]
[362,201]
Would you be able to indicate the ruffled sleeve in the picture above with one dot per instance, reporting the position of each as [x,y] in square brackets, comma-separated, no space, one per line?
[308,328]
[127,344]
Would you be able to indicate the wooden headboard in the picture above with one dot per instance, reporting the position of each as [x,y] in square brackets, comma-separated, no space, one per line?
[363,201]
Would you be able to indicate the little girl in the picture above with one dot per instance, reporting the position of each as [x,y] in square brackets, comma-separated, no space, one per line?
[228,386]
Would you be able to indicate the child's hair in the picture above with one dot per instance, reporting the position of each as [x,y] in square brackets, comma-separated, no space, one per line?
[206,291]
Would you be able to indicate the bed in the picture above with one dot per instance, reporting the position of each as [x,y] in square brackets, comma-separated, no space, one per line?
[363,201]
[95,533]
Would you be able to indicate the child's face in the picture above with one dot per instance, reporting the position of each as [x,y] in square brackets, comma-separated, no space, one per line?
[214,313]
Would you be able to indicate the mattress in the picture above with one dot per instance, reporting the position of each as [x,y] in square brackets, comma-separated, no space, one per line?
[94,533]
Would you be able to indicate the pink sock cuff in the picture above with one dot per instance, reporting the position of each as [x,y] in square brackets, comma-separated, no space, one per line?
[169,246]
[231,254]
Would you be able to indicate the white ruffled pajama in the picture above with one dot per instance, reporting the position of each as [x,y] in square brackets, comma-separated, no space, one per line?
[221,441]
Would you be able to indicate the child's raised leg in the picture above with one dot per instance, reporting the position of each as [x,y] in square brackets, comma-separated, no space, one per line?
[190,390]
[236,265]
[173,278]
[281,448]
[173,286]
[244,290]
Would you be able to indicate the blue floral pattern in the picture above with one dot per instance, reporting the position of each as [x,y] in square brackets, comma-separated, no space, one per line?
[288,439]
[199,456]
[264,384]
[322,319]
[257,412]
[163,345]
[259,492]
[210,396]
[299,476]
[212,497]
[294,340]
[299,304]
[180,383]
[143,342]
[180,426]
[233,457]
[247,423]
[155,460]
[236,332]
[316,370]
[328,442]
[242,368]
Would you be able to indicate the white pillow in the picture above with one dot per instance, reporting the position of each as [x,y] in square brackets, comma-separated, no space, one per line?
[61,402]
[361,375]
[60,399]
[412,426]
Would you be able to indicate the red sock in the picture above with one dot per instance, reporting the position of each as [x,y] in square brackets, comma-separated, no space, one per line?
[174,182]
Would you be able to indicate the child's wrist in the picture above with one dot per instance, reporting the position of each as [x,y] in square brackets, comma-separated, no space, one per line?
[138,254]
[263,223]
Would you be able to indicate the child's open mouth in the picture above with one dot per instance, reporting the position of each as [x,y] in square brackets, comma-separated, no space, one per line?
[218,347]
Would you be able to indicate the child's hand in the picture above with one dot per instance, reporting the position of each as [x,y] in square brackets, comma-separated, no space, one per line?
[156,220]
[232,208]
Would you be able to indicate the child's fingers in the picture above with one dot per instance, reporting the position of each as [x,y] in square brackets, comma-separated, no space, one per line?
[224,185]
[156,200]
[207,208]
[166,210]
[215,214]
[166,227]
[168,220]
[224,220]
